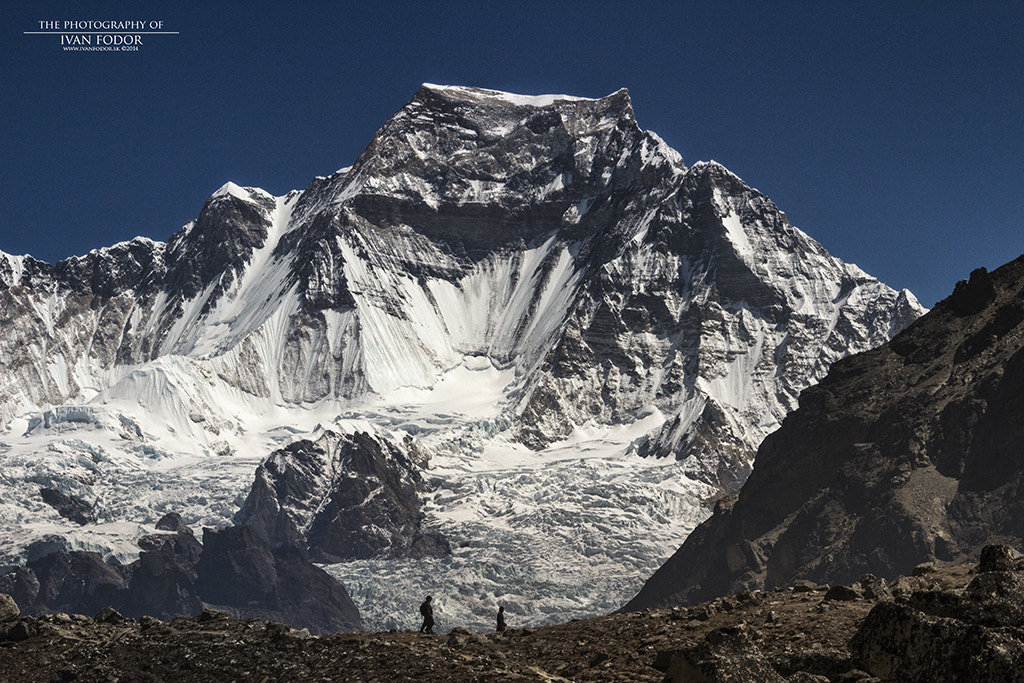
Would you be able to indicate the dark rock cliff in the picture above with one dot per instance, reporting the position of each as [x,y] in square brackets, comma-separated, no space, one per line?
[909,453]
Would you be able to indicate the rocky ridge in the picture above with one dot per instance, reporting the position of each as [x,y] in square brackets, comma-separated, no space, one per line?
[953,623]
[908,453]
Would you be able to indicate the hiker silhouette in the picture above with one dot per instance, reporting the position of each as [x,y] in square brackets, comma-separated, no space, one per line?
[427,610]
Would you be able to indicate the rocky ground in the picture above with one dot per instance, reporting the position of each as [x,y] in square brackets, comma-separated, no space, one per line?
[957,623]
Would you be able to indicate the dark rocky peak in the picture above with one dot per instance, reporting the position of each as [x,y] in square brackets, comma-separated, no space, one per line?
[490,112]
[711,191]
[316,196]
[342,497]
[172,521]
[908,453]
[33,274]
[232,224]
[176,575]
[459,173]
[11,269]
[471,156]
[741,237]
[65,581]
[971,296]
[136,265]
[180,549]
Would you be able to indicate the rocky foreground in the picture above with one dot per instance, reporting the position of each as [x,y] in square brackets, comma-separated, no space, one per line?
[954,623]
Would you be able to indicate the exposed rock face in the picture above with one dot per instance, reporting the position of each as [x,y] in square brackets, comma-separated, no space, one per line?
[727,654]
[176,575]
[70,507]
[910,453]
[65,582]
[239,574]
[163,578]
[898,642]
[342,497]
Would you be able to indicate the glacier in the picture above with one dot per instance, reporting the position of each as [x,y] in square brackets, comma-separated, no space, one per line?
[586,336]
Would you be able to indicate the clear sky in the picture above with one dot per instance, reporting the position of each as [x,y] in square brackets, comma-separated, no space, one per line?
[891,132]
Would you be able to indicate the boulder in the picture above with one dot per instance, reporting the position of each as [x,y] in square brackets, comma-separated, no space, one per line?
[109,615]
[998,558]
[8,608]
[843,593]
[875,588]
[172,521]
[898,642]
[726,654]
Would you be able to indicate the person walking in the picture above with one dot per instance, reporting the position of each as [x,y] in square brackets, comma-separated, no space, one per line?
[427,610]
[501,619]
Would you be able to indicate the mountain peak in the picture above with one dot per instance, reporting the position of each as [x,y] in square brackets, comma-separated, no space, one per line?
[487,96]
[246,194]
[505,111]
[458,146]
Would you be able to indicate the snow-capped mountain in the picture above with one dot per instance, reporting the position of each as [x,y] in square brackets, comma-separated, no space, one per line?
[532,289]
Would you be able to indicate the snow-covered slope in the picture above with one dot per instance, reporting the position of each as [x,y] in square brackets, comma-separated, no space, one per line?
[533,290]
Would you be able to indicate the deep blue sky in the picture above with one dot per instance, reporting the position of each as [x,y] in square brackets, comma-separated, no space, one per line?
[892,135]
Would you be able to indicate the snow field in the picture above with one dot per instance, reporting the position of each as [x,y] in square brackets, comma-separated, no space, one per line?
[555,541]
[570,532]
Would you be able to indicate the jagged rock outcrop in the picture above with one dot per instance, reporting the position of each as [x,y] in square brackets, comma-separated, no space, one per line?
[905,454]
[343,497]
[68,506]
[64,581]
[162,581]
